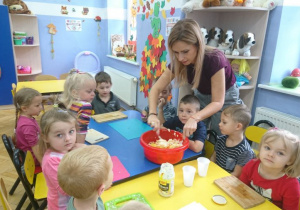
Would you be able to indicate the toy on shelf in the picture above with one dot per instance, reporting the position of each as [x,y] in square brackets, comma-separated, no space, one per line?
[226,42]
[205,34]
[24,69]
[248,3]
[293,80]
[240,67]
[214,36]
[269,4]
[211,3]
[190,5]
[16,7]
[243,45]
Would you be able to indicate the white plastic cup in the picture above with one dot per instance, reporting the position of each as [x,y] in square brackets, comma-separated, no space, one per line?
[203,164]
[188,175]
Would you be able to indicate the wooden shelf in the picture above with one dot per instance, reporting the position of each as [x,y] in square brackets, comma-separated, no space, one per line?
[239,20]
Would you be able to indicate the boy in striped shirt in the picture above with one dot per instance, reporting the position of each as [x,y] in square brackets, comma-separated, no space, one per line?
[232,150]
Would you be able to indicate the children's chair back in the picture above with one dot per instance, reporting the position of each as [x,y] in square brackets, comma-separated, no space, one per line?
[3,196]
[63,76]
[13,89]
[29,167]
[254,134]
[42,77]
[209,147]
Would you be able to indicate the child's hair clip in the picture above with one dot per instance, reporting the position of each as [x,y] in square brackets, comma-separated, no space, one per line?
[74,71]
[273,129]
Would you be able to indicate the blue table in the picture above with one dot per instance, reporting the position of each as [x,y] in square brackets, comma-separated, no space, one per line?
[130,152]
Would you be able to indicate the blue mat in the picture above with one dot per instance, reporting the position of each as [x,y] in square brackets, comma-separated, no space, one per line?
[130,128]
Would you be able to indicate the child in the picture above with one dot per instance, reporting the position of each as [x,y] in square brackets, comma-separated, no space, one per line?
[28,103]
[273,174]
[165,110]
[232,150]
[84,174]
[104,101]
[58,136]
[77,97]
[188,106]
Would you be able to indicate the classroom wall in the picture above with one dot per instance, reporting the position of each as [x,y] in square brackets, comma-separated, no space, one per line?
[281,55]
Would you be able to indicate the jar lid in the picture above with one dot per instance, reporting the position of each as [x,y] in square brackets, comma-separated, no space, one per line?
[219,199]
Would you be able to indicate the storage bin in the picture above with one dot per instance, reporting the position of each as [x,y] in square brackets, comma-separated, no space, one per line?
[18,41]
[29,40]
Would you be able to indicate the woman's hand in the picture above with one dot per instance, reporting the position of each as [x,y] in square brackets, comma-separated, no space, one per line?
[189,128]
[154,122]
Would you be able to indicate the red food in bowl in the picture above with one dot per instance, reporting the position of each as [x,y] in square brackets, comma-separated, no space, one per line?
[162,155]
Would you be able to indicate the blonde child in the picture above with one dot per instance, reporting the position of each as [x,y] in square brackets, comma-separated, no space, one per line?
[165,109]
[188,106]
[273,174]
[58,137]
[84,174]
[28,103]
[79,92]
[105,101]
[232,150]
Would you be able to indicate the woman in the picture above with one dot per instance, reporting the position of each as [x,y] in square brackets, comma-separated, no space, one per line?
[206,69]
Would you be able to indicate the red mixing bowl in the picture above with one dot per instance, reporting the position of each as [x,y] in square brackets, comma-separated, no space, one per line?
[161,155]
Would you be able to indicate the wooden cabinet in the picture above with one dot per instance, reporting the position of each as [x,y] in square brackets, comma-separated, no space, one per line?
[7,65]
[240,20]
[29,54]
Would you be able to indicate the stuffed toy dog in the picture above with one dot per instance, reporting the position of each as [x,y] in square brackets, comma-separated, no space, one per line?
[190,5]
[243,44]
[214,35]
[269,4]
[16,7]
[205,34]
[226,41]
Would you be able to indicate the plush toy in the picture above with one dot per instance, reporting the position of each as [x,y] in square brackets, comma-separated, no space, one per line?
[211,3]
[16,7]
[226,41]
[269,4]
[190,5]
[240,67]
[243,45]
[290,82]
[227,3]
[248,3]
[205,34]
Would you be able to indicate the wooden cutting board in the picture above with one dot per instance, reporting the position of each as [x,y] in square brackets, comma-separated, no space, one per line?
[239,192]
[110,116]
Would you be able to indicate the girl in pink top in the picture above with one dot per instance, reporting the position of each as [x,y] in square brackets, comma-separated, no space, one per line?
[28,103]
[58,136]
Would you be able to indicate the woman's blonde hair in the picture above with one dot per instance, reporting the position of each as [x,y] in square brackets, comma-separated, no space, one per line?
[24,97]
[82,171]
[292,145]
[48,118]
[74,82]
[188,31]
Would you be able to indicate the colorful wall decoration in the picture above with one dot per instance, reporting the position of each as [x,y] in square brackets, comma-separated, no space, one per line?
[154,59]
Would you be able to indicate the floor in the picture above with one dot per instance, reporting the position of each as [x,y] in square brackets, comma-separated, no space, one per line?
[7,170]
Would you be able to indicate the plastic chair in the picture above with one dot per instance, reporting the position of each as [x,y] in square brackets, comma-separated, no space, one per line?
[43,77]
[10,150]
[3,196]
[63,76]
[254,134]
[13,89]
[208,145]
[30,181]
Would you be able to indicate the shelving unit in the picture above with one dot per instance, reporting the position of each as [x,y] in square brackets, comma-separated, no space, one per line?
[27,55]
[240,20]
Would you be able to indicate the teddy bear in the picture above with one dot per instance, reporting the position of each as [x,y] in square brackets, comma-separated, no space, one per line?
[16,7]
[211,3]
[190,5]
[269,4]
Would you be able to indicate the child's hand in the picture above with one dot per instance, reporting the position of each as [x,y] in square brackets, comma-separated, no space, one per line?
[161,103]
[189,128]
